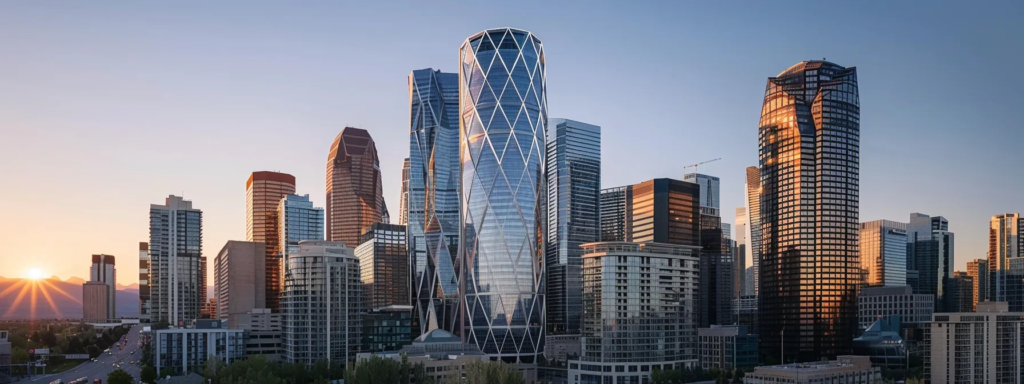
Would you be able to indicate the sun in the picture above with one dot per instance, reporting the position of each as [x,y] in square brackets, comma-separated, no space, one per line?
[36,274]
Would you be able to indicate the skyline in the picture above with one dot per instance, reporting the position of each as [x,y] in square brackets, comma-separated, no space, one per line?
[97,88]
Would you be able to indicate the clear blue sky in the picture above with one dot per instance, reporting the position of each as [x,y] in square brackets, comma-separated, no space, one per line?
[106,107]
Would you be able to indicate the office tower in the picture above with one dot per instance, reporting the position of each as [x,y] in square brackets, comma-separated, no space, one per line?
[144,282]
[715,259]
[752,194]
[958,341]
[354,199]
[748,282]
[959,293]
[387,328]
[322,304]
[627,289]
[102,271]
[403,205]
[298,221]
[617,214]
[263,192]
[883,253]
[741,249]
[384,266]
[1005,243]
[95,302]
[666,211]
[239,269]
[203,294]
[930,255]
[501,244]
[433,228]
[175,248]
[977,269]
[573,202]
[809,161]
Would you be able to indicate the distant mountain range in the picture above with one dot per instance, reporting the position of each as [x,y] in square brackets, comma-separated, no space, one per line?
[65,295]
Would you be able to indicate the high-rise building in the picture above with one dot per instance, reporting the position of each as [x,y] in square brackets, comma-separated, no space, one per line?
[95,302]
[638,310]
[749,288]
[666,211]
[238,272]
[617,214]
[959,293]
[384,266]
[144,282]
[203,294]
[403,205]
[354,198]
[299,221]
[883,253]
[322,304]
[263,193]
[1005,243]
[716,262]
[975,347]
[977,269]
[740,252]
[573,202]
[752,194]
[102,271]
[503,107]
[930,255]
[433,229]
[809,161]
[175,248]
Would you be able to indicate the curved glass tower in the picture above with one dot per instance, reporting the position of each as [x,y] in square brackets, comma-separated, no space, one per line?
[502,128]
[809,142]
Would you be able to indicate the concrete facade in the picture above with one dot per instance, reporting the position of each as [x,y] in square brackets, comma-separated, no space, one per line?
[181,350]
[845,369]
[239,273]
[977,347]
[95,302]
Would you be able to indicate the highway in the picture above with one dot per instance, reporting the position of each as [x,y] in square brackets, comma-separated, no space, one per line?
[104,364]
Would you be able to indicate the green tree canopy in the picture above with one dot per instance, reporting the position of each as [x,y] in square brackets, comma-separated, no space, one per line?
[119,376]
[492,372]
[148,374]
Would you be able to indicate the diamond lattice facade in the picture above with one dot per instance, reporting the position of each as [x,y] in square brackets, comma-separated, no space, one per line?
[433,202]
[504,117]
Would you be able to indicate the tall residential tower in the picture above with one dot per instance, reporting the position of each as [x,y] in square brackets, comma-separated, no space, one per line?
[501,244]
[102,271]
[809,145]
[175,247]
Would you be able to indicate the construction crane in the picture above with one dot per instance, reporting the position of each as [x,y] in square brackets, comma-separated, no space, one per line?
[694,166]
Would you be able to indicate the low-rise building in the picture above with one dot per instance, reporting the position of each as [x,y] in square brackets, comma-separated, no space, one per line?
[558,349]
[181,350]
[975,347]
[882,342]
[5,358]
[877,302]
[262,333]
[439,351]
[844,369]
[726,347]
[387,329]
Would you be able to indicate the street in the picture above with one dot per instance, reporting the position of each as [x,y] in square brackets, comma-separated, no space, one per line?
[104,364]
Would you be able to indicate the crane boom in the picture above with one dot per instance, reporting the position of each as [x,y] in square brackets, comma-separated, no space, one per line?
[694,166]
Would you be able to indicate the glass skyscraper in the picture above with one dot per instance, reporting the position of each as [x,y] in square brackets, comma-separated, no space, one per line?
[354,199]
[809,144]
[752,192]
[433,203]
[1006,243]
[715,257]
[883,253]
[263,192]
[617,214]
[574,197]
[299,221]
[502,131]
[930,256]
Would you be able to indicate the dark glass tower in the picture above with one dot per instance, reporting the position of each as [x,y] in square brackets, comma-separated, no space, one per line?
[809,144]
[433,202]
[617,214]
[666,211]
[574,194]
[501,244]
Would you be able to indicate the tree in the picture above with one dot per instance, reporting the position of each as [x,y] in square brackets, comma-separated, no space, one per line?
[492,372]
[148,375]
[119,376]
[376,370]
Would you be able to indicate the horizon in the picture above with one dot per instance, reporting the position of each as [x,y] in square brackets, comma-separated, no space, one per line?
[107,108]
